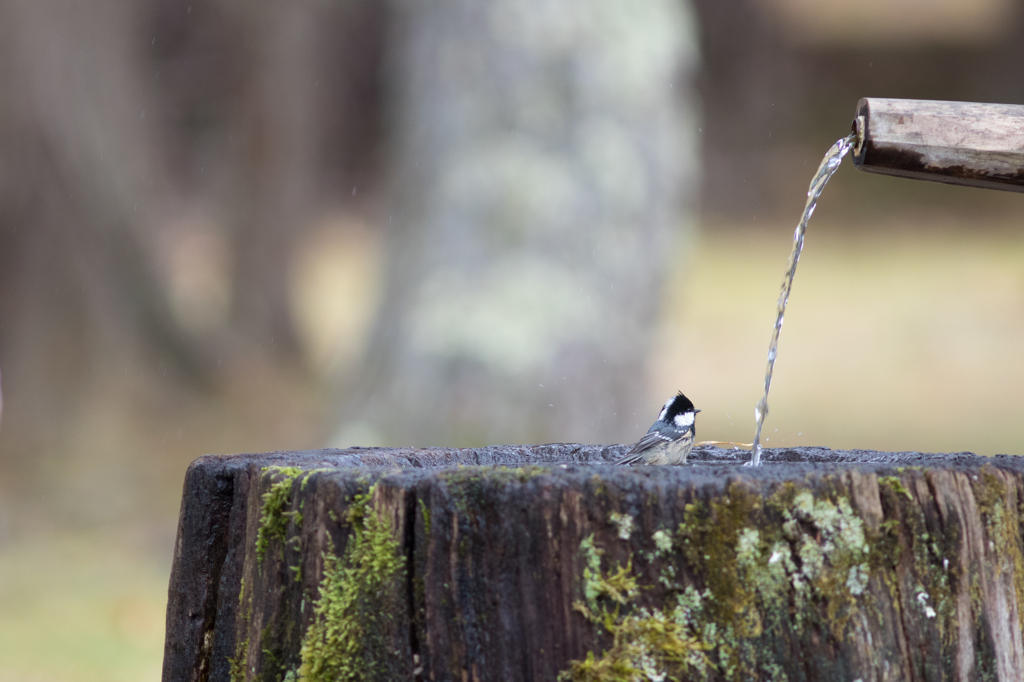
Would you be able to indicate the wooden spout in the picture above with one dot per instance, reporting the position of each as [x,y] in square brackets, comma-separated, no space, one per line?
[959,143]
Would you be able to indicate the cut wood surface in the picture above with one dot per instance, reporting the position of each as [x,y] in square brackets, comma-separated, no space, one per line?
[546,562]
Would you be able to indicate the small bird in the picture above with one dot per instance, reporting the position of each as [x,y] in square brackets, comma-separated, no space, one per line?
[670,438]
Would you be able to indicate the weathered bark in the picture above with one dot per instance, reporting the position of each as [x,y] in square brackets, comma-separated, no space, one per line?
[530,561]
[959,143]
[282,131]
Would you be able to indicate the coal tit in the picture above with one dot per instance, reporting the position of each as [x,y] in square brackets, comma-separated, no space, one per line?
[670,439]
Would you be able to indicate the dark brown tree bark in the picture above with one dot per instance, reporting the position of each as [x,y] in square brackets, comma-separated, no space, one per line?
[529,563]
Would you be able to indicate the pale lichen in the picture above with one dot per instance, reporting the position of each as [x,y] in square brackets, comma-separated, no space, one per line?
[647,644]
[624,522]
[1002,524]
[662,541]
[735,572]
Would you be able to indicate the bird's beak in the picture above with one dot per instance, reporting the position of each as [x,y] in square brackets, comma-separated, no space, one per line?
[696,411]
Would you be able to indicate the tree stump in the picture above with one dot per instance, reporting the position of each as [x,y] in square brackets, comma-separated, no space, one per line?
[545,562]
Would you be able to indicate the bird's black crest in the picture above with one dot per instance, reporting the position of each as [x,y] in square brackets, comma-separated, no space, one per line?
[678,405]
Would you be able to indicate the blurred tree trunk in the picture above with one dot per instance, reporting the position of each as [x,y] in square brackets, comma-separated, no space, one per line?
[125,126]
[752,92]
[544,157]
[278,116]
[307,121]
[84,186]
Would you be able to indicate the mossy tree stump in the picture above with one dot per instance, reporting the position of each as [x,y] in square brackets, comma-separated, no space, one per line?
[545,562]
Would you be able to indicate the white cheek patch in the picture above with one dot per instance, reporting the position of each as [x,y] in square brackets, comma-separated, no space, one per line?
[684,420]
[664,410]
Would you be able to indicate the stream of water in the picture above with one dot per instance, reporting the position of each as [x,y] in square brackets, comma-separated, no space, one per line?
[828,166]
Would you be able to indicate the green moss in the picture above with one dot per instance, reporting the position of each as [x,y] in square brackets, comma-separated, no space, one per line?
[425,512]
[1002,523]
[360,600]
[709,535]
[738,574]
[617,586]
[274,518]
[781,500]
[835,559]
[896,484]
[694,631]
[936,565]
[307,475]
[266,642]
[467,484]
[739,564]
[887,543]
[237,663]
[462,475]
[646,644]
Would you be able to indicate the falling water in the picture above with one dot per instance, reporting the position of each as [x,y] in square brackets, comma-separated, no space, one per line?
[828,166]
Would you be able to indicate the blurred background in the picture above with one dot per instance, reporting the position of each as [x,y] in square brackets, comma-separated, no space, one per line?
[233,227]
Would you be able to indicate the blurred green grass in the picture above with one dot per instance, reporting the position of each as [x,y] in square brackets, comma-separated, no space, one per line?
[80,608]
[901,334]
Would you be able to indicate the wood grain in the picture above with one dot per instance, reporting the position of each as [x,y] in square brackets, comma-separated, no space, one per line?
[819,565]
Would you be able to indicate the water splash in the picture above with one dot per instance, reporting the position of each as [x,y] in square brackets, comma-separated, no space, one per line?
[829,165]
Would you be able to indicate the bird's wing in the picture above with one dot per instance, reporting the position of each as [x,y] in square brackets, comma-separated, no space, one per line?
[650,439]
[663,433]
[654,437]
